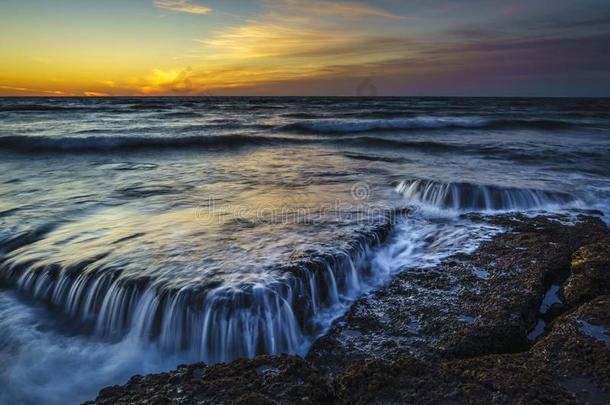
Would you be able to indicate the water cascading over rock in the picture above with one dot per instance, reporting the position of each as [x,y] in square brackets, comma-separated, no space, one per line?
[211,323]
[467,197]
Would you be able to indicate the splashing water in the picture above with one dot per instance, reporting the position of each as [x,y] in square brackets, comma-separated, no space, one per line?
[465,197]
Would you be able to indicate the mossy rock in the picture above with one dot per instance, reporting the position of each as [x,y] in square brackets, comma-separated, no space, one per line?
[590,273]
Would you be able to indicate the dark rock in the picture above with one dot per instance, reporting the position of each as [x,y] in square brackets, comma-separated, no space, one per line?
[590,276]
[578,345]
[487,379]
[567,366]
[263,380]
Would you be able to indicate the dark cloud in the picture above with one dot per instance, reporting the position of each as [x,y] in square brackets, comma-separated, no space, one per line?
[601,21]
[363,46]
[561,66]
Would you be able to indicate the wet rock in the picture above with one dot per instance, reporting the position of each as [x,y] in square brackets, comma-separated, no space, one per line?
[263,380]
[567,366]
[578,345]
[452,311]
[488,379]
[590,275]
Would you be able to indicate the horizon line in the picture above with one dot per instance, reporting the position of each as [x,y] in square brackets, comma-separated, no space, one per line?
[295,96]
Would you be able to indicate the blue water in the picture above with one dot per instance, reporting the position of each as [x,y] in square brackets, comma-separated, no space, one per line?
[140,233]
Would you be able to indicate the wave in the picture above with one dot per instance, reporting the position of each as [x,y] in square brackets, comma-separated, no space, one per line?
[24,143]
[182,114]
[466,197]
[367,125]
[374,158]
[40,108]
[372,142]
[301,115]
[152,106]
[124,143]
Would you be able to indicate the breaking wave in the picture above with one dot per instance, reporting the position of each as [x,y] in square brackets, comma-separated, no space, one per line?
[351,126]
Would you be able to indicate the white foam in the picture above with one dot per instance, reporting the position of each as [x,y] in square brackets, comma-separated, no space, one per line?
[334,125]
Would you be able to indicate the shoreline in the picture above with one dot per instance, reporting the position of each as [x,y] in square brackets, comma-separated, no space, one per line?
[460,331]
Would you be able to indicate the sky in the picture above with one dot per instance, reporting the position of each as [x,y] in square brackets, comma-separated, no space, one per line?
[305,47]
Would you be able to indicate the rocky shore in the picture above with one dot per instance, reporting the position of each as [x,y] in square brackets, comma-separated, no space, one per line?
[523,319]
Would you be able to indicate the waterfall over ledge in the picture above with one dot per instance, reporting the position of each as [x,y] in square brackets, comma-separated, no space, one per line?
[465,197]
[209,322]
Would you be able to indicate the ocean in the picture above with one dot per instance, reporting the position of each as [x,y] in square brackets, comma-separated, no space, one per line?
[137,234]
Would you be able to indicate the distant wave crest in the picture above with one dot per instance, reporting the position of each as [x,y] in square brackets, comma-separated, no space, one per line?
[366,125]
[104,143]
[32,144]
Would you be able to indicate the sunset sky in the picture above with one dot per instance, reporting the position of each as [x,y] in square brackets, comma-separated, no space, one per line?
[305,47]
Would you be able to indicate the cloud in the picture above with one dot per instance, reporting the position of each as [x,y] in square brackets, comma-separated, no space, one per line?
[329,47]
[299,47]
[30,91]
[293,40]
[294,44]
[557,25]
[107,83]
[330,8]
[563,23]
[257,40]
[182,6]
[173,81]
[496,66]
[95,94]
[334,63]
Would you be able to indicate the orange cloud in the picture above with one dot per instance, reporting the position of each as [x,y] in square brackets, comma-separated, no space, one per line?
[11,90]
[317,46]
[173,81]
[95,94]
[265,40]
